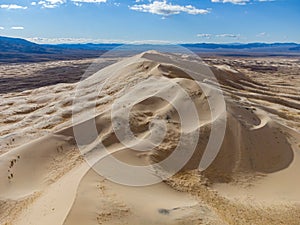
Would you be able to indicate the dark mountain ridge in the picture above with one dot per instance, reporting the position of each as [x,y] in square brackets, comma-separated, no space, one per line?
[14,50]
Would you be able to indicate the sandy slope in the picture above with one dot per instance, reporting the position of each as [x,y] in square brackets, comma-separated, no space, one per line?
[44,178]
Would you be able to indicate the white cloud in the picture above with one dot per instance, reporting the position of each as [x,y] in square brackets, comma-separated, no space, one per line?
[227,35]
[165,9]
[1,28]
[240,2]
[33,3]
[12,6]
[17,28]
[262,34]
[89,1]
[51,3]
[204,35]
[40,40]
[218,35]
[55,3]
[236,2]
[77,4]
[90,40]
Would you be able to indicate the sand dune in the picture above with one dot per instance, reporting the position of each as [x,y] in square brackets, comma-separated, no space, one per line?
[57,150]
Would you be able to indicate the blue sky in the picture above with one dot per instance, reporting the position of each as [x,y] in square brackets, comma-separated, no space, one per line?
[146,21]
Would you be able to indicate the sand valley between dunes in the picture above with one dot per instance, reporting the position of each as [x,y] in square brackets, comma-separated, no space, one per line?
[254,179]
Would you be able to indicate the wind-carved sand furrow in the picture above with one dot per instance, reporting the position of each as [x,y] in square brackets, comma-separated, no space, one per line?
[272,99]
[292,92]
[270,93]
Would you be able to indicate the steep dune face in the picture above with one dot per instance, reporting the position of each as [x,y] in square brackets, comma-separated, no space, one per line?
[250,148]
[136,113]
[252,142]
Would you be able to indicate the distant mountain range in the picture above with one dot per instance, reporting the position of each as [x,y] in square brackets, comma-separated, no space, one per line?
[20,50]
[19,45]
[13,50]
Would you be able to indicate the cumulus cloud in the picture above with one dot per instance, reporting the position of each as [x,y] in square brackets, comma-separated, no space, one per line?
[1,28]
[33,3]
[17,28]
[51,3]
[166,9]
[228,35]
[236,2]
[79,2]
[219,35]
[204,35]
[89,1]
[12,6]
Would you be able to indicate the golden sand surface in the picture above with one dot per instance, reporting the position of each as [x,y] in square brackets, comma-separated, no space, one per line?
[45,178]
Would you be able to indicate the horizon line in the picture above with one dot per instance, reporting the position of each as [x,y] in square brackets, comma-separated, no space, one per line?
[59,41]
